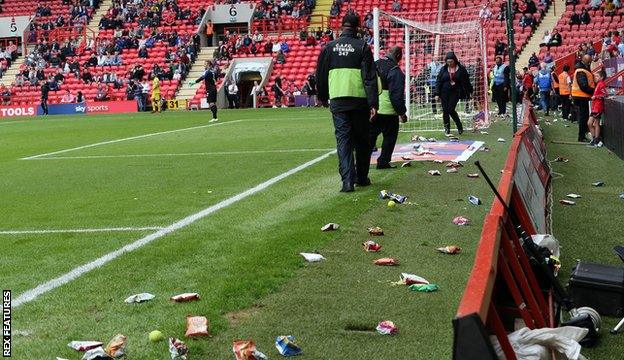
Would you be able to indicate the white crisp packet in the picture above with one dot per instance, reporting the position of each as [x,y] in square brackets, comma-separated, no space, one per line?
[84,345]
[574,196]
[97,353]
[413,279]
[330,227]
[500,140]
[139,298]
[312,257]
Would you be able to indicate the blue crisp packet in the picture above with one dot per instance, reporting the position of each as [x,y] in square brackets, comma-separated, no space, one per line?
[286,346]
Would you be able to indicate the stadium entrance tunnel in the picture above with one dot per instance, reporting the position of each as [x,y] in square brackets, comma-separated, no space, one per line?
[245,84]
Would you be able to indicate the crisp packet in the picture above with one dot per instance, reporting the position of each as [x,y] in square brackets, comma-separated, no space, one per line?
[96,354]
[452,170]
[196,326]
[474,200]
[461,221]
[386,328]
[286,345]
[117,346]
[567,202]
[500,140]
[406,157]
[485,149]
[410,279]
[330,227]
[454,139]
[406,164]
[418,138]
[246,350]
[84,345]
[451,249]
[386,262]
[434,172]
[371,246]
[622,196]
[375,231]
[598,184]
[454,164]
[561,159]
[139,298]
[438,161]
[473,175]
[178,349]
[385,194]
[573,196]
[185,297]
[312,257]
[424,287]
[431,139]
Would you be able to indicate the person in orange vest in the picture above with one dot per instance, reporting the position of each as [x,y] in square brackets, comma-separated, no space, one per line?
[565,89]
[209,32]
[582,91]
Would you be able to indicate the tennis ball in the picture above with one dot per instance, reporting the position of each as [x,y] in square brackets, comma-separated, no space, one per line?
[391,203]
[156,336]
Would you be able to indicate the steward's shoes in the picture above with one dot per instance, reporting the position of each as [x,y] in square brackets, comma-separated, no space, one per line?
[385,166]
[364,182]
[347,187]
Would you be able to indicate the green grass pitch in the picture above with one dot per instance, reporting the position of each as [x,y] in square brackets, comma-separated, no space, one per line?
[242,258]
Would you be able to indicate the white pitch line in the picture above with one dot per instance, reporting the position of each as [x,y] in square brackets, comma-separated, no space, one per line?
[66,231]
[12,122]
[248,152]
[41,289]
[127,139]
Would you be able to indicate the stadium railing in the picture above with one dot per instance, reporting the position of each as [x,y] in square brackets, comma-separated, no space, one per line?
[502,288]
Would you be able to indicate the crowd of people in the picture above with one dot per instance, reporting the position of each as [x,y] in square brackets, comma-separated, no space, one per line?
[271,10]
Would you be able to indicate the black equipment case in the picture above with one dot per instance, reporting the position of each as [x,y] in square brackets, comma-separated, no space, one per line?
[598,286]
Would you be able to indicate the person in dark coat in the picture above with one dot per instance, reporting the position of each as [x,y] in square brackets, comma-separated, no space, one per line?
[452,84]
[45,89]
[500,85]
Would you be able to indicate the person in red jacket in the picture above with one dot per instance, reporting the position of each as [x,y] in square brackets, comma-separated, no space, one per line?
[597,108]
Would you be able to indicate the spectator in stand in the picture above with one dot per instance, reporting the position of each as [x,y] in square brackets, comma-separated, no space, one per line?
[485,14]
[500,48]
[595,4]
[533,61]
[597,108]
[582,90]
[527,20]
[531,8]
[396,6]
[585,18]
[257,37]
[555,39]
[280,58]
[102,92]
[335,9]
[565,84]
[5,95]
[68,98]
[284,47]
[548,59]
[609,10]
[575,19]
[543,83]
[368,21]
[310,40]
[546,39]
[87,78]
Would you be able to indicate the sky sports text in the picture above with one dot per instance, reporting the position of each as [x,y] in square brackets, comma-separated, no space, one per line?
[6,323]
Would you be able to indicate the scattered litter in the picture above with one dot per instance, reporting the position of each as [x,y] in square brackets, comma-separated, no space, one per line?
[84,345]
[431,139]
[451,249]
[567,202]
[178,349]
[485,133]
[385,194]
[22,333]
[156,336]
[375,231]
[485,149]
[474,200]
[622,196]
[461,221]
[185,297]
[386,262]
[573,196]
[97,354]
[434,172]
[406,164]
[417,138]
[423,152]
[117,346]
[139,298]
[454,164]
[410,279]
[386,328]
[312,257]
[500,140]
[246,350]
[286,345]
[454,139]
[598,184]
[196,326]
[330,227]
[452,170]
[406,157]
[473,175]
[371,246]
[438,161]
[59,358]
[566,125]
[424,287]
[561,159]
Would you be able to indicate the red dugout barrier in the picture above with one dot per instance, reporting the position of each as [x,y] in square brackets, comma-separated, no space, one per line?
[502,288]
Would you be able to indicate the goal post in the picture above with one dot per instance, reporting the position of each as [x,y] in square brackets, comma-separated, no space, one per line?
[426,37]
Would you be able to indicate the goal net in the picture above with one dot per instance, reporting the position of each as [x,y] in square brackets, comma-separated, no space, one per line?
[426,37]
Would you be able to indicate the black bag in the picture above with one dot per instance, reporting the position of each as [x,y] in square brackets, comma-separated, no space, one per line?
[598,286]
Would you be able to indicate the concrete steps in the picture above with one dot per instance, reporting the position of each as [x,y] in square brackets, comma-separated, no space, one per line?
[322,7]
[548,24]
[97,16]
[196,70]
[9,76]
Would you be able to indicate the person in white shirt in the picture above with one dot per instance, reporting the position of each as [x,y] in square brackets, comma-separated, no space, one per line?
[257,37]
[255,91]
[232,91]
[68,98]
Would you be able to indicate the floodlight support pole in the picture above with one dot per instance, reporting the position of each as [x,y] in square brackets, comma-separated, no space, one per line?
[512,66]
[376,33]
[406,56]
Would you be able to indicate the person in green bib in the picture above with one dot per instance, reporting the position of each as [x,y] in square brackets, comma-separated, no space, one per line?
[391,105]
[347,79]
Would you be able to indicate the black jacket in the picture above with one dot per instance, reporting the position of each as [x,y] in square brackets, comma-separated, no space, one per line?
[394,79]
[329,59]
[462,82]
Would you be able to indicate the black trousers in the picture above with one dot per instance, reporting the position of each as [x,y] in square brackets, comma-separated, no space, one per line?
[352,129]
[388,125]
[565,105]
[582,116]
[499,95]
[449,101]
[233,100]
[44,105]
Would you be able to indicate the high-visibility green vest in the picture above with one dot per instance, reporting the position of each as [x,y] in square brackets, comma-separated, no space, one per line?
[346,82]
[384,65]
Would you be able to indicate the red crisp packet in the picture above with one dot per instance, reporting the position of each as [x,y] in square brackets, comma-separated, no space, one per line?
[386,262]
[178,349]
[117,346]
[84,345]
[375,231]
[246,350]
[461,221]
[371,246]
[185,297]
[387,328]
[454,164]
[196,326]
